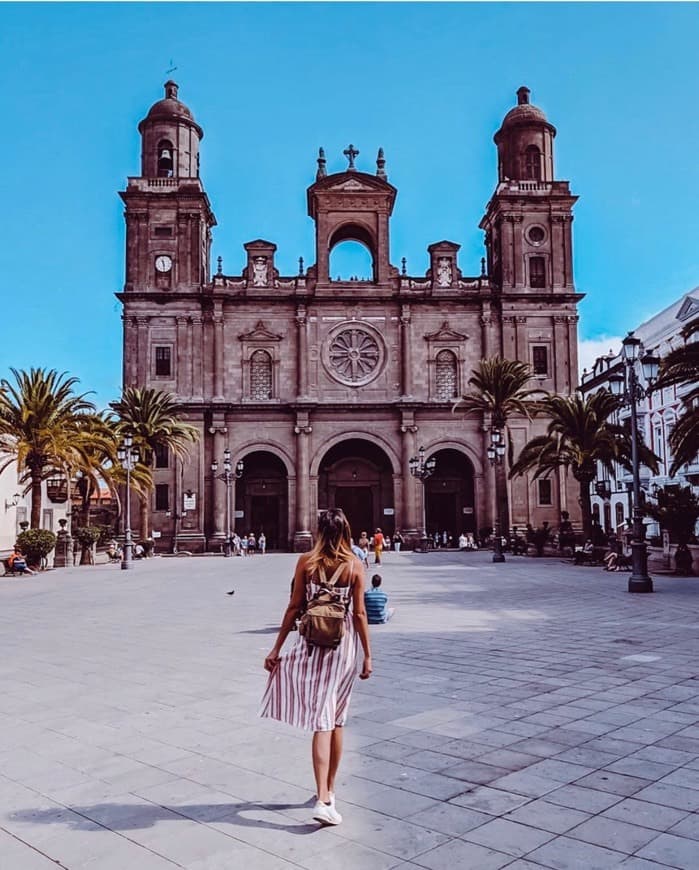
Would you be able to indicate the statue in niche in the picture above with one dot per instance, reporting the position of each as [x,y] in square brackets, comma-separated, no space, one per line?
[444,278]
[259,272]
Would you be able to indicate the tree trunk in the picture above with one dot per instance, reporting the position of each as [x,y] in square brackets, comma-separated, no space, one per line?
[502,502]
[144,517]
[36,499]
[586,507]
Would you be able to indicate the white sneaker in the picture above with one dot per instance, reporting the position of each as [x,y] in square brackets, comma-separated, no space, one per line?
[326,814]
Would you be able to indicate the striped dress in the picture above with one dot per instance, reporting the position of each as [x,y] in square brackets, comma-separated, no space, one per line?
[313,692]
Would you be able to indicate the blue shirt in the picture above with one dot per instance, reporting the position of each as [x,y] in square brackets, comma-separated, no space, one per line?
[359,553]
[376,604]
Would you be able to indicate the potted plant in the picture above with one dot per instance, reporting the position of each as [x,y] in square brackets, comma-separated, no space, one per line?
[36,544]
[88,537]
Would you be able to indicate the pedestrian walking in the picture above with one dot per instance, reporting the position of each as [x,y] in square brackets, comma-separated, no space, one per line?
[398,541]
[310,687]
[262,543]
[378,545]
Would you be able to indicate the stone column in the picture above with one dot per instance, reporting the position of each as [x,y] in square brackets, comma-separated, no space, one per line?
[219,487]
[410,508]
[182,355]
[302,534]
[405,351]
[218,358]
[143,350]
[302,353]
[196,346]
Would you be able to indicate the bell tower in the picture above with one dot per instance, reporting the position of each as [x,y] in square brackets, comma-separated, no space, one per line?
[528,233]
[168,215]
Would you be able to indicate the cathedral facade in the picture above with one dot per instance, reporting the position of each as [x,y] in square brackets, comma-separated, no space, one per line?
[323,389]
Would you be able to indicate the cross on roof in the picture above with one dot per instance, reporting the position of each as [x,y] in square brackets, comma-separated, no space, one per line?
[350,153]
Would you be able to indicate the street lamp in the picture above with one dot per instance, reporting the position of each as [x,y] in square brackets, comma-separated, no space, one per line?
[176,517]
[628,388]
[228,475]
[421,469]
[496,456]
[127,455]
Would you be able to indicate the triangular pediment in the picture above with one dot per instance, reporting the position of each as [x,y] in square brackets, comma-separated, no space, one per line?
[445,333]
[444,245]
[260,333]
[351,182]
[689,308]
[259,243]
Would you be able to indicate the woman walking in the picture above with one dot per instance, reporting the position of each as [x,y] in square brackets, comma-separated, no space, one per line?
[310,687]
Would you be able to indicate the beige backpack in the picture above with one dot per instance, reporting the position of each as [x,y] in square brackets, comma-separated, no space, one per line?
[323,622]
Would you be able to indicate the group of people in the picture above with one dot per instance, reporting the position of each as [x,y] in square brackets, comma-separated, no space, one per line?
[378,543]
[248,545]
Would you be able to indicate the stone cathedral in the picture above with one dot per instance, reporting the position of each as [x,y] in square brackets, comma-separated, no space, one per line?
[326,387]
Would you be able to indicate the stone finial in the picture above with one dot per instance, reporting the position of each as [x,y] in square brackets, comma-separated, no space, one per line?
[219,260]
[300,265]
[350,153]
[482,267]
[523,95]
[171,90]
[381,164]
[322,172]
[403,264]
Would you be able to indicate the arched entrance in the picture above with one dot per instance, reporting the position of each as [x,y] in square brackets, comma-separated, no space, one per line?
[261,496]
[356,475]
[449,492]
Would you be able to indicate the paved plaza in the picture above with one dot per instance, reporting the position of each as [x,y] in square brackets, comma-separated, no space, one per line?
[523,715]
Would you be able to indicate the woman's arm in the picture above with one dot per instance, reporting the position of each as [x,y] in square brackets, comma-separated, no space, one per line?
[296,602]
[360,622]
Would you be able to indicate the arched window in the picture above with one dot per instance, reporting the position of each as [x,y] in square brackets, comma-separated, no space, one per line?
[595,512]
[445,375]
[261,376]
[166,159]
[351,260]
[532,163]
[619,514]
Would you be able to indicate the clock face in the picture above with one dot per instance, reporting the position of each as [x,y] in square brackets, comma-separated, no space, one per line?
[163,263]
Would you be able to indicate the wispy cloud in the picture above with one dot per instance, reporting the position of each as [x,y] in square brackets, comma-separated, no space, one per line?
[590,348]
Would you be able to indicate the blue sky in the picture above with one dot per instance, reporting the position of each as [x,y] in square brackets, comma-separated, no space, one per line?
[269,83]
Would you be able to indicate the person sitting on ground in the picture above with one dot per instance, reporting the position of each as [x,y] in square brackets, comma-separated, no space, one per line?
[611,559]
[17,563]
[113,551]
[138,551]
[463,542]
[376,603]
[585,555]
[361,554]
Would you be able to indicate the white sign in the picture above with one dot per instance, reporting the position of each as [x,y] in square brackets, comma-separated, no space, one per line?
[155,535]
[239,514]
[189,502]
[467,510]
[388,512]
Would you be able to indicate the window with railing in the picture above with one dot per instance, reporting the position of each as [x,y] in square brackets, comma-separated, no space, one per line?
[537,272]
[261,376]
[445,375]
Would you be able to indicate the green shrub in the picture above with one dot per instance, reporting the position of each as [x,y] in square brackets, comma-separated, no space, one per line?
[87,535]
[36,544]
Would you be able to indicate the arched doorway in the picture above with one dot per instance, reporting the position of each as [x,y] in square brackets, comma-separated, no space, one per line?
[357,476]
[450,504]
[261,499]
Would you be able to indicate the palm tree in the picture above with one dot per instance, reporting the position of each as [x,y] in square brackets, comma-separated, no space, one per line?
[41,421]
[152,418]
[681,366]
[500,391]
[580,436]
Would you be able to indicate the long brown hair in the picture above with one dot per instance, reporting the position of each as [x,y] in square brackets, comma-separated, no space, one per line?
[334,542]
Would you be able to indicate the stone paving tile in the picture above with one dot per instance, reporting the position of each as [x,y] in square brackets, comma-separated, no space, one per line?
[615,783]
[564,853]
[607,832]
[688,827]
[547,816]
[672,851]
[449,819]
[508,759]
[346,856]
[459,853]
[508,836]
[640,767]
[489,800]
[671,796]
[684,776]
[648,815]
[589,800]
[634,863]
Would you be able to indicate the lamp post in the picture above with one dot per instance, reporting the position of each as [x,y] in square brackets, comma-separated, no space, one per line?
[421,469]
[128,456]
[174,515]
[496,457]
[228,475]
[628,388]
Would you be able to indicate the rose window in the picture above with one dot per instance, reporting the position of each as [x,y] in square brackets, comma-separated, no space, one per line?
[354,356]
